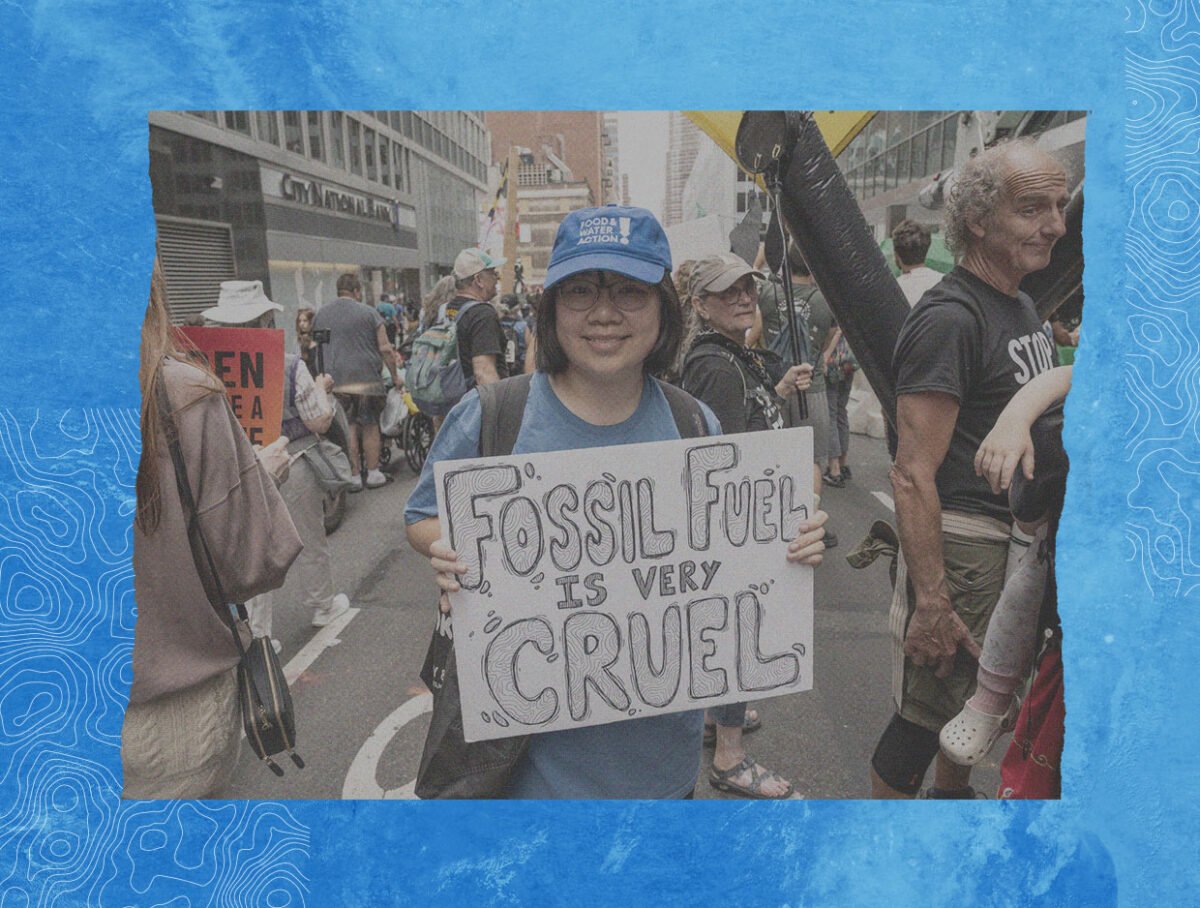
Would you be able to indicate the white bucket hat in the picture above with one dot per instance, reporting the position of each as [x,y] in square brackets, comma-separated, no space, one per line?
[240,302]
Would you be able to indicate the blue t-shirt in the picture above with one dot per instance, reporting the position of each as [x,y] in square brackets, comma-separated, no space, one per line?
[655,757]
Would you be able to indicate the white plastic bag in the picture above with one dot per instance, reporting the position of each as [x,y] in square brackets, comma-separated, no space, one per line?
[392,417]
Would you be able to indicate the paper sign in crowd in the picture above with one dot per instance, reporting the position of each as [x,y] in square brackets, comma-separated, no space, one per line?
[622,582]
[249,362]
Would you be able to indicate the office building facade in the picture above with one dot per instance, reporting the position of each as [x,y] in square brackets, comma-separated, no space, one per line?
[295,198]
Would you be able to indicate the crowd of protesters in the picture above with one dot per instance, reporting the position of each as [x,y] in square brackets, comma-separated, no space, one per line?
[978,478]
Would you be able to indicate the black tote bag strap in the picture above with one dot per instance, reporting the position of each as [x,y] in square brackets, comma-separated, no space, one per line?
[191,515]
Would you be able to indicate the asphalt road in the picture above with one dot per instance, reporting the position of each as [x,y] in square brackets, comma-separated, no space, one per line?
[362,711]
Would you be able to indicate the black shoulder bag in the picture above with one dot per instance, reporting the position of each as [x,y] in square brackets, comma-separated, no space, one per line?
[262,688]
[450,767]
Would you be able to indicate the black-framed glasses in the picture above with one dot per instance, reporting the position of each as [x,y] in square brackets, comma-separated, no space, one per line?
[628,295]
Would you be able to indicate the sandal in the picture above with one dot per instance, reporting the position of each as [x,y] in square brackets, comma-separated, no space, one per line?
[749,724]
[968,737]
[722,780]
[836,482]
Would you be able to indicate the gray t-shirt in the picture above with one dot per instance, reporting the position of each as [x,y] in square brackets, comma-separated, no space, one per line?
[352,354]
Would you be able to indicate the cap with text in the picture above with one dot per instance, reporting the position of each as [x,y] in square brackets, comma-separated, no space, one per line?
[629,241]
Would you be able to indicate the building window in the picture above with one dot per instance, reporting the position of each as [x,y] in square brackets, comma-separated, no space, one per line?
[398,164]
[268,126]
[918,155]
[316,136]
[369,153]
[406,123]
[385,161]
[355,146]
[408,170]
[903,174]
[934,161]
[337,139]
[948,145]
[394,120]
[210,115]
[293,132]
[238,121]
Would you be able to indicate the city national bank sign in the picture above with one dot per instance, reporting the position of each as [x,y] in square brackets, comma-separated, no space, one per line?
[308,191]
[311,192]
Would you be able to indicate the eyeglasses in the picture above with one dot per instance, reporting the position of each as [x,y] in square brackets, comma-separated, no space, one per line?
[626,294]
[731,295]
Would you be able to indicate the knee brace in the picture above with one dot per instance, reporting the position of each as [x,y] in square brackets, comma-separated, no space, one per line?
[903,754]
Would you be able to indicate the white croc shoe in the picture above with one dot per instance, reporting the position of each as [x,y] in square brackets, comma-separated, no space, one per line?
[968,737]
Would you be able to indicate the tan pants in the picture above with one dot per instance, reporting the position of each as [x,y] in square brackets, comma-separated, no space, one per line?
[975,553]
[183,745]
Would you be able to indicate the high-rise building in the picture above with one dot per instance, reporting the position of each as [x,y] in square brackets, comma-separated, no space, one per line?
[574,136]
[562,165]
[683,144]
[612,159]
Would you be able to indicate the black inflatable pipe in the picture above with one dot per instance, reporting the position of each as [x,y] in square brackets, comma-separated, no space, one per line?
[824,220]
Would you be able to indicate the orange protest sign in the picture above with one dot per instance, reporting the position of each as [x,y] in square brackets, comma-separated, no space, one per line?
[249,362]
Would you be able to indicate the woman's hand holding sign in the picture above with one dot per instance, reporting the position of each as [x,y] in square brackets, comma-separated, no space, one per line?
[445,561]
[809,545]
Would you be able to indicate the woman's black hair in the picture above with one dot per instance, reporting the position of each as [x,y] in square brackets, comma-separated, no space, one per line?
[552,359]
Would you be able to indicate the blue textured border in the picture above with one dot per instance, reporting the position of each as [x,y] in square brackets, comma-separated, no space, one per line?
[75,202]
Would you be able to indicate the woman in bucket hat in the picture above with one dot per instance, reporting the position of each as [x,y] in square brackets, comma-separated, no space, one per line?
[608,321]
[724,373]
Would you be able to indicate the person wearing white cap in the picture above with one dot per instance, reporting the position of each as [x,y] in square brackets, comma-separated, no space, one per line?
[307,411]
[732,379]
[480,337]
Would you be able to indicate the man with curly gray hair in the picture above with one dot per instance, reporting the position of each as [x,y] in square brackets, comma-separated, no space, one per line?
[965,349]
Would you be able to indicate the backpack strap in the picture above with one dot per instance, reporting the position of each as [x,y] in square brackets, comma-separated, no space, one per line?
[461,309]
[501,407]
[689,417]
[702,351]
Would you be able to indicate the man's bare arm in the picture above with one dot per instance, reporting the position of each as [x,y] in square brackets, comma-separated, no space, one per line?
[388,352]
[484,366]
[925,424]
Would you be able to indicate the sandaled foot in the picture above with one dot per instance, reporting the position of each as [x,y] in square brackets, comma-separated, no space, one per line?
[751,781]
[750,722]
[968,737]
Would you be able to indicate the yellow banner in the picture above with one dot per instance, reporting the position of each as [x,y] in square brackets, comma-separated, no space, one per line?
[837,127]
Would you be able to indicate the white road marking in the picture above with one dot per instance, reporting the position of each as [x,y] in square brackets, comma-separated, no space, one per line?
[887,500]
[321,641]
[361,782]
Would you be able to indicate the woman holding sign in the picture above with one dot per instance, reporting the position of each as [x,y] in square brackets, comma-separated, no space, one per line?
[723,372]
[609,320]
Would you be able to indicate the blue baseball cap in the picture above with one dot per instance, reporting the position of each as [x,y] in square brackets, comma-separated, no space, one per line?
[629,241]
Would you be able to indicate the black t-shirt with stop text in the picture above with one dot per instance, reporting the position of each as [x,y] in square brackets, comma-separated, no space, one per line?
[966,339]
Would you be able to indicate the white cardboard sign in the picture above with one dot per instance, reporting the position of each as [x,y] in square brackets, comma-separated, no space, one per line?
[622,582]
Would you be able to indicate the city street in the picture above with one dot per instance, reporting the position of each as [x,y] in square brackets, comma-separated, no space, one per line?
[362,711]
